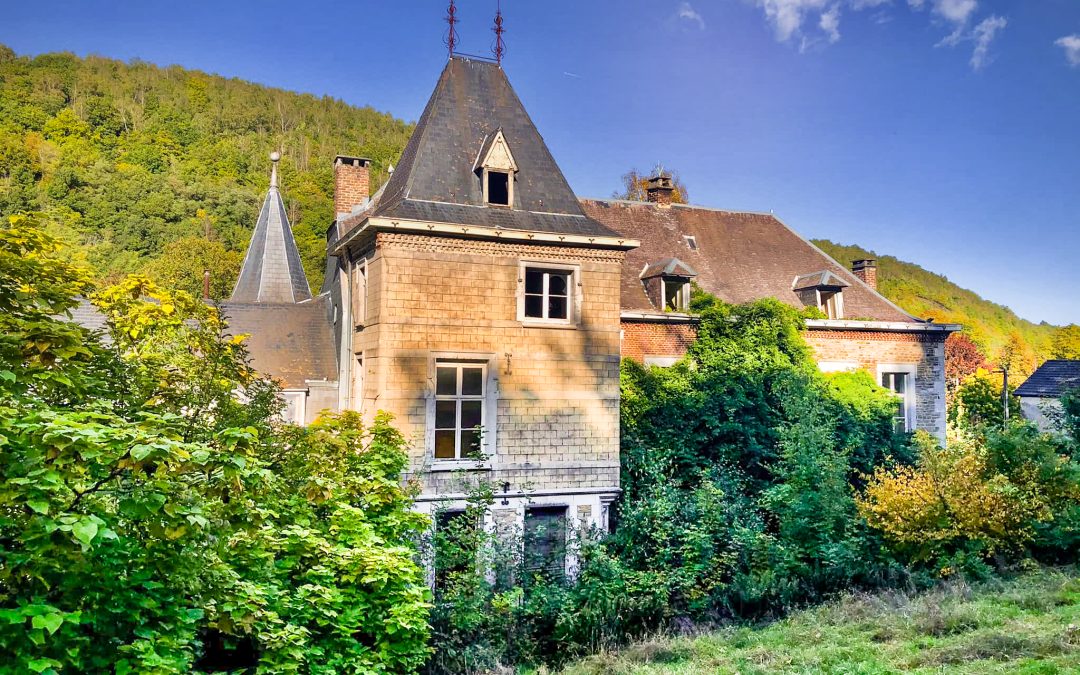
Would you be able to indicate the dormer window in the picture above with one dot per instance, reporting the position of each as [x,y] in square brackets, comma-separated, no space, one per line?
[667,283]
[496,167]
[823,290]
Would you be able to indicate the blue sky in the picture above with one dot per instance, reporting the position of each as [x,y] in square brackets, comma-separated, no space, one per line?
[945,132]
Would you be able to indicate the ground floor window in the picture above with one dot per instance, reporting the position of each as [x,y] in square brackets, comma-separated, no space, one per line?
[545,541]
[456,543]
[900,383]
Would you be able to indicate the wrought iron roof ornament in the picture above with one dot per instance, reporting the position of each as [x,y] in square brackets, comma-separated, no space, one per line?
[451,34]
[500,46]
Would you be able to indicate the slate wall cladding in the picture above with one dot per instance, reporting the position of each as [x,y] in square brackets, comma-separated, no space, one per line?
[865,349]
[557,401]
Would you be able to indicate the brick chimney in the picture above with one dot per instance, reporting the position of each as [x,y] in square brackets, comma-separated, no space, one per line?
[351,184]
[866,270]
[659,189]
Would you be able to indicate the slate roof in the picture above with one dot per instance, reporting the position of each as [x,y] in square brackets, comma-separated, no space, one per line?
[1051,380]
[272,271]
[823,279]
[740,257]
[289,342]
[436,181]
[668,266]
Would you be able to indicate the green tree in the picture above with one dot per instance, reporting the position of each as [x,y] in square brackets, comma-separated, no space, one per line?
[157,517]
[184,261]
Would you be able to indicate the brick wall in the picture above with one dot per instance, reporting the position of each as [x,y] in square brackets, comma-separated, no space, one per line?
[556,407]
[640,339]
[869,349]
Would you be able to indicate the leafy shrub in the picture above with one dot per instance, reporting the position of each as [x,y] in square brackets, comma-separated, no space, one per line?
[155,515]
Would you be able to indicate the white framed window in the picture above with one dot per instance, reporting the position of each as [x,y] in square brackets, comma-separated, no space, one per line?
[359,293]
[676,292]
[661,361]
[899,378]
[549,294]
[460,409]
[356,398]
[295,406]
[691,241]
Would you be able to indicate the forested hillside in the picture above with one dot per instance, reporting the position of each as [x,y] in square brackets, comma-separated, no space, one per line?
[161,170]
[127,158]
[995,328]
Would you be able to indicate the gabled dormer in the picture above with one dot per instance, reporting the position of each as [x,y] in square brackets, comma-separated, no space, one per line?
[823,290]
[667,283]
[497,170]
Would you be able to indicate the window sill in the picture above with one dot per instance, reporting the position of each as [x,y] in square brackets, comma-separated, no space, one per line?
[540,323]
[442,465]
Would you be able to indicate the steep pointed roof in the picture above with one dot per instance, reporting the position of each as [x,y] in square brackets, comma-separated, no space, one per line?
[272,271]
[437,179]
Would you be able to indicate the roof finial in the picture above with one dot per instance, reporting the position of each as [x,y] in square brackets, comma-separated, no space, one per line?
[275,157]
[451,34]
[500,46]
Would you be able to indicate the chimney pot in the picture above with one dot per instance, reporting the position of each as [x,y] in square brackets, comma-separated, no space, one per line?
[351,184]
[866,270]
[659,189]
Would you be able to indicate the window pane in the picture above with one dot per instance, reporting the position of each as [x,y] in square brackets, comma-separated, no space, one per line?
[534,281]
[446,381]
[445,414]
[472,381]
[899,383]
[557,308]
[557,284]
[444,444]
[470,444]
[534,306]
[471,412]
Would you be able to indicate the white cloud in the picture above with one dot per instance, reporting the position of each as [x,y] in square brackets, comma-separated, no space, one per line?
[787,16]
[956,11]
[686,12]
[983,35]
[830,23]
[1071,45]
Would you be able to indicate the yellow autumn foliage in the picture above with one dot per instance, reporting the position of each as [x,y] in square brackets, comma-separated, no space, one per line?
[953,496]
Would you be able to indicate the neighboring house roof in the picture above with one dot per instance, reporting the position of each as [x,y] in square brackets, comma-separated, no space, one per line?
[1051,380]
[292,343]
[436,178]
[272,271]
[824,279]
[739,257]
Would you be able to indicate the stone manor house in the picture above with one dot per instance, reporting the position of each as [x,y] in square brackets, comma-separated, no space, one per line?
[486,306]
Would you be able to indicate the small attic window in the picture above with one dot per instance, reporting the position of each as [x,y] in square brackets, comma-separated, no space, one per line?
[832,303]
[690,241]
[497,190]
[676,294]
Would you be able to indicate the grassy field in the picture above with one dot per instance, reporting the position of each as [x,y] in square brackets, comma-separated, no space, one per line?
[1030,624]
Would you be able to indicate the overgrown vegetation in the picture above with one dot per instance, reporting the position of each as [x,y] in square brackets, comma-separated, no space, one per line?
[156,518]
[1025,624]
[128,159]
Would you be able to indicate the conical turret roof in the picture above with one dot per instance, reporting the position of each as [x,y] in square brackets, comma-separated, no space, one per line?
[272,271]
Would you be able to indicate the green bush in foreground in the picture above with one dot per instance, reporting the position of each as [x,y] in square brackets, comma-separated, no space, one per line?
[156,518]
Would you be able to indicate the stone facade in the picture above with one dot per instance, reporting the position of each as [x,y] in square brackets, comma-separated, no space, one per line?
[552,398]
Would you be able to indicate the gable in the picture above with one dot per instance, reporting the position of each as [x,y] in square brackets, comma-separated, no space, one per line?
[495,154]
